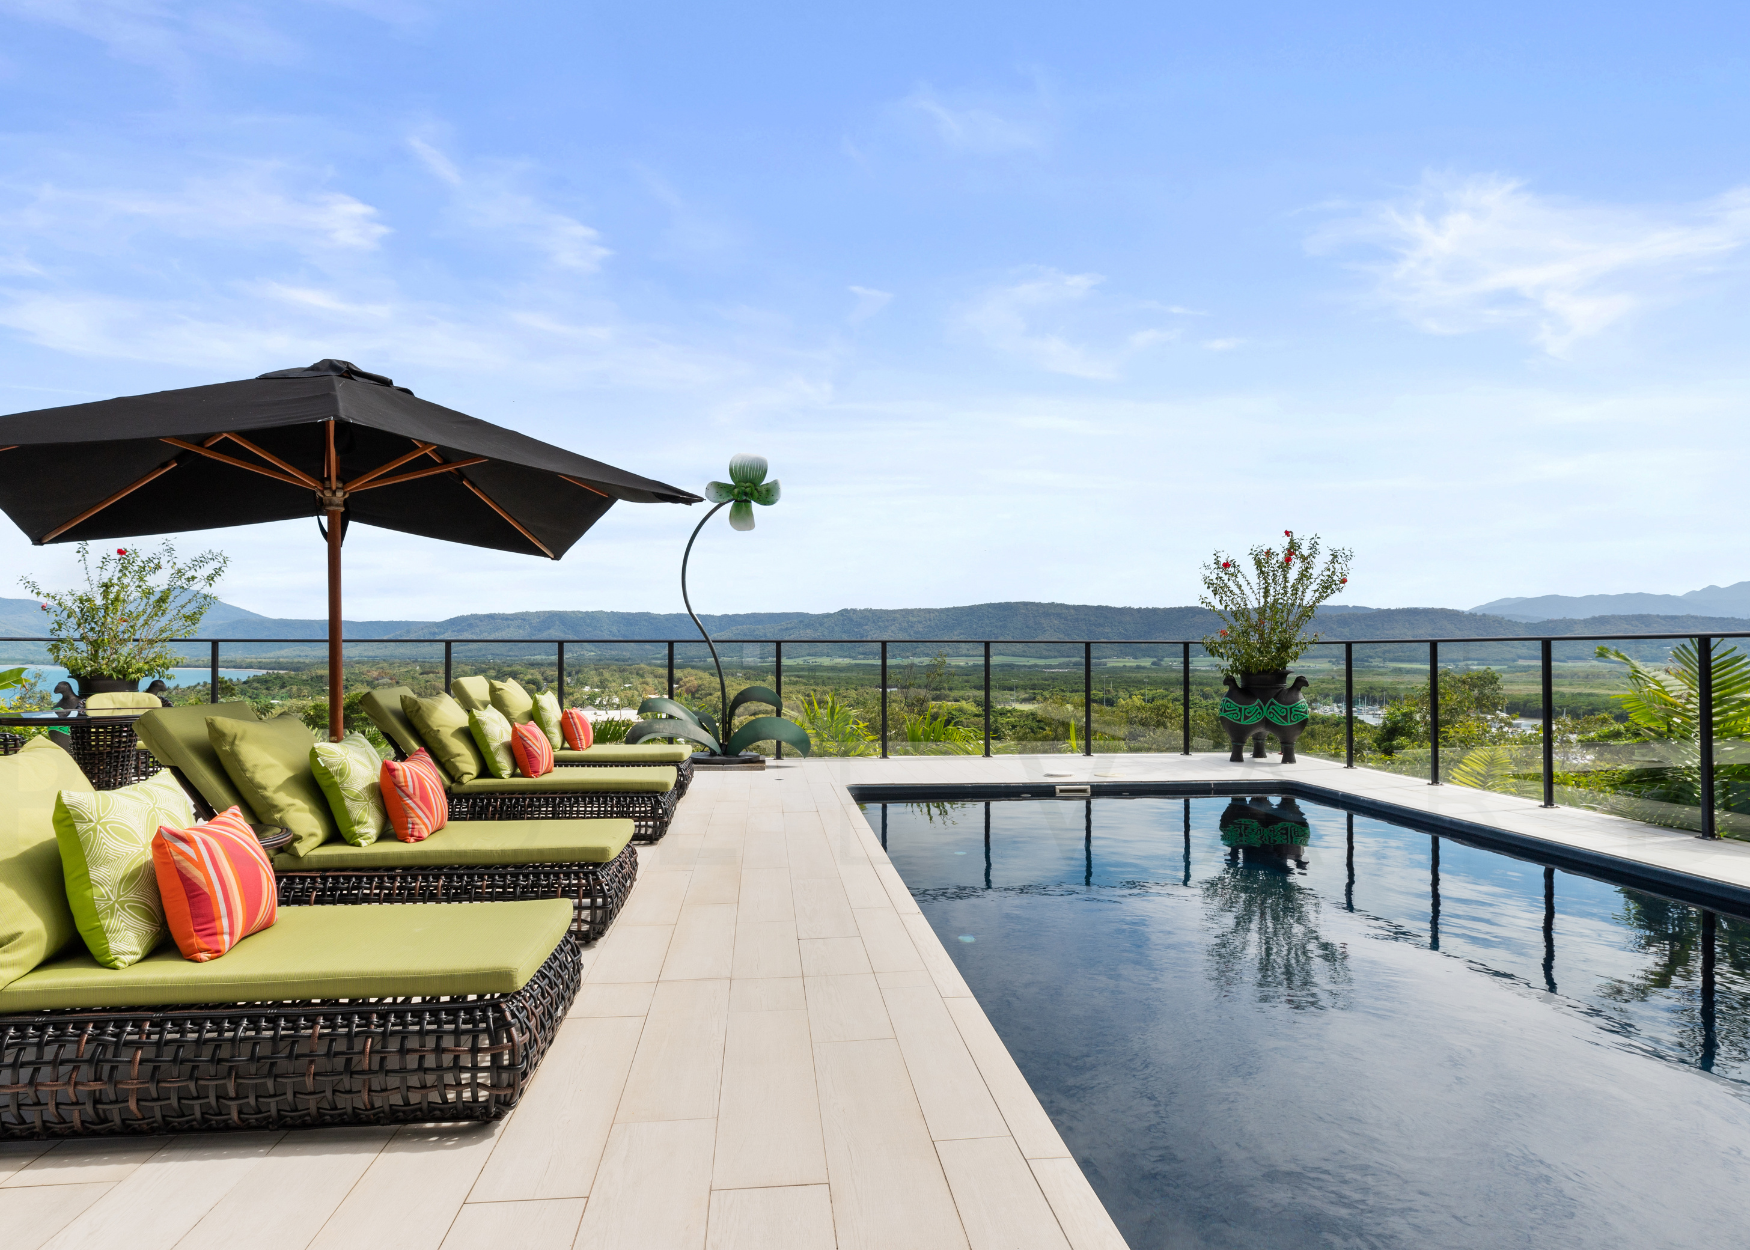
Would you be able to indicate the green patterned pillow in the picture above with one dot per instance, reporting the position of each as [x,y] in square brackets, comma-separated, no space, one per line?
[547,717]
[350,772]
[492,732]
[105,838]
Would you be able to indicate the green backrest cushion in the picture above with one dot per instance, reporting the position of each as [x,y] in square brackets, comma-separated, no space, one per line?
[35,920]
[269,762]
[492,734]
[517,704]
[546,714]
[177,738]
[123,700]
[350,772]
[472,693]
[443,730]
[384,709]
[105,838]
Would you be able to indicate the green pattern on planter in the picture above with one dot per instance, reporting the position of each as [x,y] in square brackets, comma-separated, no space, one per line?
[1286,713]
[1241,713]
[105,838]
[491,729]
[350,774]
[1246,832]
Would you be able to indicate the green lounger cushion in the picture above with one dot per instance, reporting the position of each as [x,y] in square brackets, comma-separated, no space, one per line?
[517,704]
[387,950]
[443,729]
[620,753]
[269,762]
[35,920]
[177,738]
[576,781]
[476,842]
[384,709]
[472,692]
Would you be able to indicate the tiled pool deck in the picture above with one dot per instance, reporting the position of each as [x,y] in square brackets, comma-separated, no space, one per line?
[771,1049]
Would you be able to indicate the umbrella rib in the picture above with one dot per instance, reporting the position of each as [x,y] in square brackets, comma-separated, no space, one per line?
[604,494]
[419,449]
[520,528]
[268,456]
[231,460]
[120,494]
[418,473]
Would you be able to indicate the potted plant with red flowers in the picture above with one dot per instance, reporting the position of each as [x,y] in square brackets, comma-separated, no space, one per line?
[1265,614]
[115,631]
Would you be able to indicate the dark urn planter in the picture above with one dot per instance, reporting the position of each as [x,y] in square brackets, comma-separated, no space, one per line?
[1259,704]
[1261,834]
[89,686]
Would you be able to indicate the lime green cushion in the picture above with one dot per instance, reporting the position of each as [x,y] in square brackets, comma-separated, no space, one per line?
[443,730]
[492,735]
[478,842]
[546,713]
[35,920]
[576,781]
[620,753]
[517,704]
[269,762]
[177,738]
[384,709]
[122,700]
[472,692]
[348,772]
[381,951]
[105,838]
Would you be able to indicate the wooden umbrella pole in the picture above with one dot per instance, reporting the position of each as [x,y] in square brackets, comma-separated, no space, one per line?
[334,504]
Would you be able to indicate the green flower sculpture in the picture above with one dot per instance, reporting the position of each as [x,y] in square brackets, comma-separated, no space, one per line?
[746,486]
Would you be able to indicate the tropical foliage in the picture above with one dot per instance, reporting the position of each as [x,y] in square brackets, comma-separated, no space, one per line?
[834,728]
[1265,613]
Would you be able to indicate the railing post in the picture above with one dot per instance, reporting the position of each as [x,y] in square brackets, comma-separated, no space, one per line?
[1348,705]
[561,682]
[213,675]
[1704,690]
[1185,700]
[1433,713]
[671,669]
[449,648]
[987,723]
[778,685]
[884,715]
[1549,725]
[1087,698]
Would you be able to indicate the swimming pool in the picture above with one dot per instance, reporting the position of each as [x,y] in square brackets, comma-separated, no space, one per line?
[1270,1023]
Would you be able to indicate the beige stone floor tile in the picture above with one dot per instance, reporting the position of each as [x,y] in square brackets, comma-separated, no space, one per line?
[87,1161]
[767,994]
[897,893]
[906,979]
[15,1154]
[613,999]
[715,883]
[847,1008]
[1028,1124]
[547,1224]
[1078,1209]
[31,1215]
[409,1196]
[886,941]
[765,896]
[674,852]
[888,1187]
[1001,1204]
[947,1082]
[766,950]
[656,898]
[929,948]
[630,953]
[679,1061]
[654,1188]
[163,1198]
[291,1193]
[797,1217]
[810,856]
[822,910]
[768,1118]
[765,849]
[862,887]
[827,957]
[704,944]
[551,1146]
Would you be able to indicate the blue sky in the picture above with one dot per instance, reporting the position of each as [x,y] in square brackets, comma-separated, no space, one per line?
[1021,301]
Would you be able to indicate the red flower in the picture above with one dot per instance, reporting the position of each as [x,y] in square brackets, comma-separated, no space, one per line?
[43,606]
[1227,564]
[1288,533]
[1288,559]
[121,551]
[1224,633]
[1345,581]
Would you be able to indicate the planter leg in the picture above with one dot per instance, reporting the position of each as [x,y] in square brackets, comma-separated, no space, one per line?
[1258,752]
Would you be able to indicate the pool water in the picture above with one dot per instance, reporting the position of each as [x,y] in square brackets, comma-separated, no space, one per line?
[1333,1031]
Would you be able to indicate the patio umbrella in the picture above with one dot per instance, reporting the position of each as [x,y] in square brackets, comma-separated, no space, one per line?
[330,441]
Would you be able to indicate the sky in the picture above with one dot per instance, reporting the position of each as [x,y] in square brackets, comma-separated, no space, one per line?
[1021,301]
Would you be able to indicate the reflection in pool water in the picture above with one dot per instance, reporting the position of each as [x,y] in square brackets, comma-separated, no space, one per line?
[1269,1023]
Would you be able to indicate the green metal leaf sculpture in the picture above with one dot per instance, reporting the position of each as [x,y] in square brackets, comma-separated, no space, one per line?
[746,486]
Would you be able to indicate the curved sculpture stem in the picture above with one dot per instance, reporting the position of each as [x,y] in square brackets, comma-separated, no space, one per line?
[722,686]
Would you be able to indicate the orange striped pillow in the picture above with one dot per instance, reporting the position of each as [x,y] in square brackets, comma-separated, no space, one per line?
[413,795]
[579,733]
[534,754]
[216,882]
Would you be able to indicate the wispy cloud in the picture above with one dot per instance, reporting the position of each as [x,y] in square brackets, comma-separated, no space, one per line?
[1470,253]
[166,36]
[488,203]
[869,302]
[1050,319]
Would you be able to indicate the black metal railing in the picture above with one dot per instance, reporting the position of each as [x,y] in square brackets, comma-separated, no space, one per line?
[1708,816]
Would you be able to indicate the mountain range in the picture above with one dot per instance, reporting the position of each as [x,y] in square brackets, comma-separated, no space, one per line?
[1733,600]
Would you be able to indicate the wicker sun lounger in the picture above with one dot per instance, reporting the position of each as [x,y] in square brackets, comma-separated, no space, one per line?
[588,861]
[333,1015]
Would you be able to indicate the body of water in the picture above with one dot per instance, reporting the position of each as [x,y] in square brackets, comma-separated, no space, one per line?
[47,675]
[1375,1039]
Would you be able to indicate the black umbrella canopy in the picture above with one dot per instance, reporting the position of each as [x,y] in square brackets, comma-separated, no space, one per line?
[330,440]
